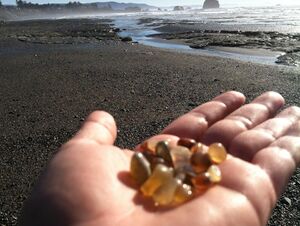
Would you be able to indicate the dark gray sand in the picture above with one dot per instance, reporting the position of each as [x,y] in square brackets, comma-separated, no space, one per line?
[46,90]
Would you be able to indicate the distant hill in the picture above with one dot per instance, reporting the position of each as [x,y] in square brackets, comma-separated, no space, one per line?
[123,6]
[27,10]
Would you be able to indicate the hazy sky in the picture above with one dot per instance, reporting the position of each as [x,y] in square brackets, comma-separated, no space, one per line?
[174,2]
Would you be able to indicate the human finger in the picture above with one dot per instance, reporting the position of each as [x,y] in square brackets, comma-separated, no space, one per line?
[99,126]
[244,118]
[195,123]
[248,143]
[281,158]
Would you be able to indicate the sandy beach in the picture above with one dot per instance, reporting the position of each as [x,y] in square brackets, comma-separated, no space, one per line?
[53,73]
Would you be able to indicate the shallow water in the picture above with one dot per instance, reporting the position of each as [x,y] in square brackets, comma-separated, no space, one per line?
[284,19]
[276,18]
[139,33]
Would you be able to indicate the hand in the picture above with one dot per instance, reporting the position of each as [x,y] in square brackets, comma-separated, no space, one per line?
[84,182]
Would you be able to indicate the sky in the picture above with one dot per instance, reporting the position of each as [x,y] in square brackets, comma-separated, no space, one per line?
[174,2]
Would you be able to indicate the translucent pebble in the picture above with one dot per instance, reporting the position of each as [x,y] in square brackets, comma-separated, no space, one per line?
[160,174]
[200,161]
[182,194]
[148,155]
[186,142]
[164,195]
[217,153]
[162,150]
[140,168]
[196,148]
[180,156]
[214,174]
[149,145]
[201,181]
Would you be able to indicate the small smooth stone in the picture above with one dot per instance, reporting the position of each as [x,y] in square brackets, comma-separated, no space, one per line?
[162,150]
[140,168]
[215,175]
[164,195]
[182,194]
[217,153]
[200,161]
[196,148]
[201,181]
[148,155]
[180,156]
[160,174]
[186,142]
[149,145]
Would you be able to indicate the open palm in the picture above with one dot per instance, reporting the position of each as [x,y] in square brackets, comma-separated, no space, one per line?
[87,181]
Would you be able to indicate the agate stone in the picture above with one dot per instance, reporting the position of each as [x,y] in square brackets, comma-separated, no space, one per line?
[217,153]
[140,168]
[182,194]
[160,174]
[173,175]
[162,150]
[214,174]
[186,142]
[164,195]
[200,161]
[180,156]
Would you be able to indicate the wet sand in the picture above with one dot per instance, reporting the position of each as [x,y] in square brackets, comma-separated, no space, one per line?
[51,79]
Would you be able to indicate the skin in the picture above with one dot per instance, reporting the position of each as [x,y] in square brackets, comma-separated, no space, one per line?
[87,181]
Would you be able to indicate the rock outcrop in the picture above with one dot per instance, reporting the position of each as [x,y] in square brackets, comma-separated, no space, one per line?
[178,8]
[211,4]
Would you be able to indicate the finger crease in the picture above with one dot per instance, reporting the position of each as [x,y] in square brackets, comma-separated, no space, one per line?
[242,119]
[267,131]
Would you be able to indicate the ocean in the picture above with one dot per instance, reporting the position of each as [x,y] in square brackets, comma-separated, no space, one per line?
[282,19]
[276,18]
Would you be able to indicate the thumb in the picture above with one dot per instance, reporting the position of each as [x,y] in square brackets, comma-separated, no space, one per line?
[100,127]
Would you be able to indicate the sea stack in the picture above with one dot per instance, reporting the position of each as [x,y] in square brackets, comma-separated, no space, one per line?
[211,4]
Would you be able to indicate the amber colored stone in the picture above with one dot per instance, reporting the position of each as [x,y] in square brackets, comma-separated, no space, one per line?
[164,195]
[140,168]
[217,153]
[162,150]
[186,142]
[180,156]
[160,174]
[148,155]
[201,181]
[182,194]
[214,172]
[200,161]
[149,145]
[198,147]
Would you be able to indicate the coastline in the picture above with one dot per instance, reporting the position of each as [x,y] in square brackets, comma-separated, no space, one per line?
[62,70]
[203,36]
[254,43]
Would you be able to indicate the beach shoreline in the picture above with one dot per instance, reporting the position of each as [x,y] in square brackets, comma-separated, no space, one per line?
[54,73]
[204,36]
[254,43]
